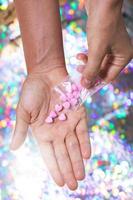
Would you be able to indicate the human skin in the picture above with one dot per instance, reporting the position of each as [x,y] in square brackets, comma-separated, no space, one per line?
[63,145]
[109,46]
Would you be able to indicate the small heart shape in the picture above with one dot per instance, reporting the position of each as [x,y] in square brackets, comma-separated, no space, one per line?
[62,117]
[74,87]
[79,87]
[58,107]
[63,97]
[66,105]
[76,94]
[53,114]
[70,95]
[49,120]
[74,101]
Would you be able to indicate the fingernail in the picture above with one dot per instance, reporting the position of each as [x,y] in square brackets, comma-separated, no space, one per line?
[72,184]
[85,82]
[80,174]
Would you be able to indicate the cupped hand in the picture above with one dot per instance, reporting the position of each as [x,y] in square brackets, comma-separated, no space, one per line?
[63,144]
[109,46]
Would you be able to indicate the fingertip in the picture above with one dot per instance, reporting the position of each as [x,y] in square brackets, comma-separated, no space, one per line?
[85,82]
[58,179]
[79,56]
[12,147]
[86,155]
[72,185]
[86,150]
[80,175]
[82,56]
[60,183]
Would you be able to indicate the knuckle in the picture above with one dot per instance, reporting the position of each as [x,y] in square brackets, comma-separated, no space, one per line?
[62,156]
[73,144]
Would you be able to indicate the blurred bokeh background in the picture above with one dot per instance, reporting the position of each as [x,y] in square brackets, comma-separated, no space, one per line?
[109,172]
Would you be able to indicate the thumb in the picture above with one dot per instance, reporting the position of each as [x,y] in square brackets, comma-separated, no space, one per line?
[21,129]
[92,67]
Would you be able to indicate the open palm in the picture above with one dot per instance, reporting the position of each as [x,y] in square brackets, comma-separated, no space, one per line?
[63,144]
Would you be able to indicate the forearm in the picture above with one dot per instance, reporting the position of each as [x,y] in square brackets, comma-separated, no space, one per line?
[104,17]
[110,4]
[110,7]
[41,34]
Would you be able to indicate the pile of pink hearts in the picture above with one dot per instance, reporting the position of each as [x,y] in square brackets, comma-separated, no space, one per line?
[69,98]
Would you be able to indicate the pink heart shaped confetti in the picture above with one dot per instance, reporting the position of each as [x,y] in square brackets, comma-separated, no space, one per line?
[63,97]
[53,114]
[76,94]
[70,95]
[74,101]
[58,107]
[79,87]
[49,120]
[66,105]
[62,117]
[74,87]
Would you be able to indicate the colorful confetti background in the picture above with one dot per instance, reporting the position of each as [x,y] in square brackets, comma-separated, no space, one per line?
[109,172]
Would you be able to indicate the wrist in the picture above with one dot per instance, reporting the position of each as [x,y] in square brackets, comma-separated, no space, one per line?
[45,63]
[53,75]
